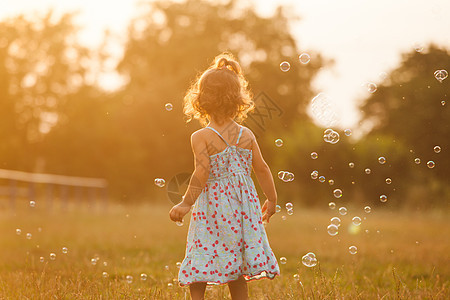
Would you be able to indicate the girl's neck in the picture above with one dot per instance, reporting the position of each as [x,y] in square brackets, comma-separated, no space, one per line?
[224,123]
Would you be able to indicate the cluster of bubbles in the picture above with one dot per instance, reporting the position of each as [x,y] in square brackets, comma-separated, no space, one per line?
[285,66]
[286,176]
[309,260]
[168,106]
[333,228]
[331,136]
[290,208]
[160,182]
[440,75]
[324,110]
[278,142]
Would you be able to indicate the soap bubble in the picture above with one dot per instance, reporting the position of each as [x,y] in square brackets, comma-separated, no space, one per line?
[335,221]
[383,198]
[442,102]
[314,174]
[289,206]
[296,277]
[324,110]
[371,87]
[32,203]
[388,180]
[179,223]
[52,256]
[351,165]
[337,193]
[160,182]
[105,274]
[431,164]
[304,58]
[368,171]
[418,47]
[314,155]
[94,261]
[277,208]
[331,136]
[309,260]
[343,211]
[290,212]
[417,160]
[41,259]
[287,176]
[322,178]
[168,106]
[347,132]
[332,230]
[441,75]
[29,236]
[367,209]
[382,160]
[283,260]
[18,231]
[281,174]
[285,66]
[356,221]
[178,264]
[283,218]
[143,276]
[278,142]
[129,279]
[353,250]
[331,182]
[64,250]
[332,205]
[437,149]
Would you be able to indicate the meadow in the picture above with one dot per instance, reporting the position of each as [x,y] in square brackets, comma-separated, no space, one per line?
[401,254]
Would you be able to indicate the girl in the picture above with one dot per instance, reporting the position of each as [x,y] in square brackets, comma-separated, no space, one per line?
[226,242]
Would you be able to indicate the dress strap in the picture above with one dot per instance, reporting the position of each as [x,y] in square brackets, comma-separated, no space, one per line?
[239,136]
[218,135]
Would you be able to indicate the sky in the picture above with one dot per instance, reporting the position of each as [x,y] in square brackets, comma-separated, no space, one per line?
[364,38]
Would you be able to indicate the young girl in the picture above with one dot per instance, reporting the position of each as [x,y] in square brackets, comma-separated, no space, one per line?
[227,242]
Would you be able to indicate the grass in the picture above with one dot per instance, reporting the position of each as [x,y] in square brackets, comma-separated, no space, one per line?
[403,255]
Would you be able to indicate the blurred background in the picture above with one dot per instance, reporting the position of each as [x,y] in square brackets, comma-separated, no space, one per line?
[84,90]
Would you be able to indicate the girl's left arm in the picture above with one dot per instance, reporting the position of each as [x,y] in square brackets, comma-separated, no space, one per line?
[198,178]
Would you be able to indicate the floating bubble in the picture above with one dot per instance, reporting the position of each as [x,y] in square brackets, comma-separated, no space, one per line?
[337,193]
[277,208]
[331,182]
[314,175]
[18,231]
[160,182]
[343,211]
[356,221]
[388,180]
[418,47]
[94,261]
[368,171]
[290,212]
[383,198]
[371,87]
[324,110]
[304,58]
[382,160]
[442,102]
[166,267]
[178,264]
[417,161]
[179,223]
[29,236]
[143,277]
[351,165]
[32,203]
[285,66]
[335,221]
[440,75]
[289,206]
[353,250]
[367,209]
[332,230]
[314,155]
[105,264]
[129,278]
[331,137]
[309,260]
[347,132]
[431,164]
[64,250]
[170,284]
[281,174]
[332,205]
[41,259]
[279,142]
[105,274]
[322,179]
[437,149]
[288,176]
[168,106]
[296,277]
[283,260]
[283,218]
[52,256]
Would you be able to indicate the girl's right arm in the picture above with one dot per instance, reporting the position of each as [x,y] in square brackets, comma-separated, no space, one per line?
[265,179]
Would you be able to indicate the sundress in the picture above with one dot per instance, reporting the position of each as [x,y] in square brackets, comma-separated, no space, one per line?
[226,237]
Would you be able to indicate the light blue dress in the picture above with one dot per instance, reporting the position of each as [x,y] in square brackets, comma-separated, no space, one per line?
[226,237]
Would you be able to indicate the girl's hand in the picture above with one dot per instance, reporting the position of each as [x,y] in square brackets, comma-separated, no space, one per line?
[179,211]
[268,210]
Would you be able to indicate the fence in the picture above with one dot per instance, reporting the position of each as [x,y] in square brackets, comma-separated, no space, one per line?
[28,185]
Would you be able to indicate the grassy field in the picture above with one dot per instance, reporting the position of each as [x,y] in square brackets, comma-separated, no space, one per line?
[400,255]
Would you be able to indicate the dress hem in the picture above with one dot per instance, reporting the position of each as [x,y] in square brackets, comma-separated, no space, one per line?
[251,278]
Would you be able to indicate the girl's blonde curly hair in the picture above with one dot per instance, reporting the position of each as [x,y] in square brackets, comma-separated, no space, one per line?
[220,92]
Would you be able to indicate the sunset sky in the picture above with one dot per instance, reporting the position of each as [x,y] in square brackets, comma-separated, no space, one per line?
[364,38]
